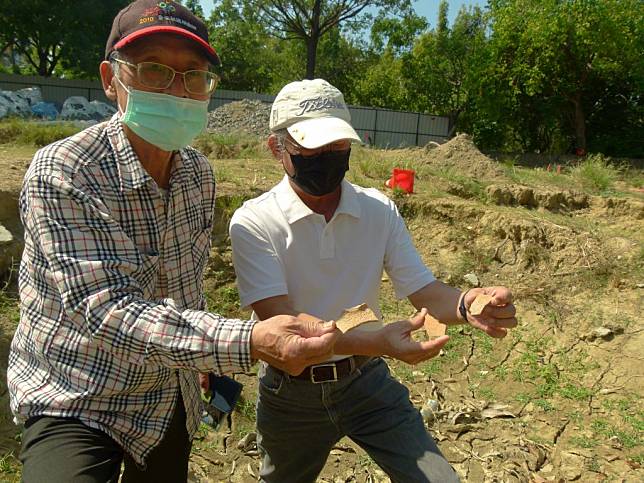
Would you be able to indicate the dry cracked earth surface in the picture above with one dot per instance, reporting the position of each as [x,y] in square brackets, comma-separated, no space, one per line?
[559,399]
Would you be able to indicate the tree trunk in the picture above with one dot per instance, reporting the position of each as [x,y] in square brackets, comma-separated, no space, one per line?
[311,55]
[453,117]
[580,123]
[312,40]
[43,62]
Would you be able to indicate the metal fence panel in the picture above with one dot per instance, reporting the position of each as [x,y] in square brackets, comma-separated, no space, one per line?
[55,90]
[378,127]
[433,125]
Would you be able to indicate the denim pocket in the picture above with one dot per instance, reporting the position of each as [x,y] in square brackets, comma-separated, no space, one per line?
[271,381]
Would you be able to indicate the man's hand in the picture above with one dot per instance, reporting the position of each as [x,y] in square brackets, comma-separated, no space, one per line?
[291,344]
[498,316]
[204,381]
[399,344]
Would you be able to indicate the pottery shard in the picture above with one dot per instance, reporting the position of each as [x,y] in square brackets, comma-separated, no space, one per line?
[433,327]
[479,303]
[354,317]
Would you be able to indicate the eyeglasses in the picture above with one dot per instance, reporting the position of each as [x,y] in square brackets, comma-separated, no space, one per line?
[295,149]
[160,76]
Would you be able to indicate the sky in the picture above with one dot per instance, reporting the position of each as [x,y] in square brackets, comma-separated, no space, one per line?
[429,8]
[426,8]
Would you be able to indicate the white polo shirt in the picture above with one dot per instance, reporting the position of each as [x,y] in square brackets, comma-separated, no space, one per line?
[281,247]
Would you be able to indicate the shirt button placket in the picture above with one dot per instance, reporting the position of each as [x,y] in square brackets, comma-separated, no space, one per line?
[327,243]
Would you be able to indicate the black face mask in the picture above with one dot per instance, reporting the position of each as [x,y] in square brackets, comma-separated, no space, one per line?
[320,174]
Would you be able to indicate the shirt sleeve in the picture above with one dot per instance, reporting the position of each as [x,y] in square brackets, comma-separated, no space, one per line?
[403,264]
[260,274]
[96,269]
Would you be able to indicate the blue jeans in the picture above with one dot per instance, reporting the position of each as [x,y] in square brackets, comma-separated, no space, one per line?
[298,423]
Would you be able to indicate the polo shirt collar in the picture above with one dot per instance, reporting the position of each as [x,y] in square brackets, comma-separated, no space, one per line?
[294,208]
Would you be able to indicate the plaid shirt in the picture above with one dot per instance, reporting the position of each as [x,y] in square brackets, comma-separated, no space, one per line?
[112,308]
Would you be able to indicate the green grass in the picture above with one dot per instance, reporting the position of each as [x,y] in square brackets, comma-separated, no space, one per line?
[537,176]
[9,307]
[596,174]
[583,442]
[486,393]
[224,300]
[10,469]
[246,407]
[34,133]
[628,437]
[227,146]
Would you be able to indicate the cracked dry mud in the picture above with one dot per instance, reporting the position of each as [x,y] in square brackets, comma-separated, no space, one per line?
[559,399]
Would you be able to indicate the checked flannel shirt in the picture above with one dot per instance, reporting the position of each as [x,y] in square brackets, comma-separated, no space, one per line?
[112,319]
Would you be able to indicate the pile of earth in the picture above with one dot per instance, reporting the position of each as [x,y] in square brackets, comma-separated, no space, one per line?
[462,155]
[247,116]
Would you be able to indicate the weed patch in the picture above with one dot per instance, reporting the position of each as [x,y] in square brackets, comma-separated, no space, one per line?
[230,146]
[596,174]
[32,133]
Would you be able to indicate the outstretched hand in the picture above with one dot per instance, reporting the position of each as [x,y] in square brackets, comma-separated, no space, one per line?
[399,343]
[291,344]
[498,316]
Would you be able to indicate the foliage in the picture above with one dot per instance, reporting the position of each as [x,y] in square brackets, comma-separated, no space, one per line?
[18,131]
[55,35]
[554,63]
[595,173]
[309,20]
[196,8]
[247,51]
[443,67]
[381,85]
[545,76]
[220,146]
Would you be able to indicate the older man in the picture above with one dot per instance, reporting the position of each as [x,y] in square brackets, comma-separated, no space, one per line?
[113,329]
[313,246]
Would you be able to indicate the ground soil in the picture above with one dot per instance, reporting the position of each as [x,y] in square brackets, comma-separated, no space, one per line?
[559,399]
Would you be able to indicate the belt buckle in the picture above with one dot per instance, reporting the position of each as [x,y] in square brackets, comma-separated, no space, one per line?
[328,364]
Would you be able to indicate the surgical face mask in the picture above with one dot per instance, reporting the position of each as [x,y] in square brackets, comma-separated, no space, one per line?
[320,174]
[168,122]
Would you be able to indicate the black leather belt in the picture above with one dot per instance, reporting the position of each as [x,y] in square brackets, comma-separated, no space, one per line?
[332,371]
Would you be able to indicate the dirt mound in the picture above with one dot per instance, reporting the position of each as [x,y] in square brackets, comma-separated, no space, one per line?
[240,116]
[511,195]
[462,154]
[622,207]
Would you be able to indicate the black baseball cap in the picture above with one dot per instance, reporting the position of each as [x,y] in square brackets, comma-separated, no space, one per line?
[146,17]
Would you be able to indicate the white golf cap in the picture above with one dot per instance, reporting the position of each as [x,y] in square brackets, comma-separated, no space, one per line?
[313,112]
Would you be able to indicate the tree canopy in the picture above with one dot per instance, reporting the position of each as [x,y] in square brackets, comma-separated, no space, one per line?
[57,36]
[530,75]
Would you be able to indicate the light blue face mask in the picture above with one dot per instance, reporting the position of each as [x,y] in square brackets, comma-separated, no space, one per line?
[168,122]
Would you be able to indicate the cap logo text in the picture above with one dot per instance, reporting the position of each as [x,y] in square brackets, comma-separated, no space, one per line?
[318,104]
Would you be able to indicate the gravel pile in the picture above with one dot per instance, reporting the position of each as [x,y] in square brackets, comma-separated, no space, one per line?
[249,116]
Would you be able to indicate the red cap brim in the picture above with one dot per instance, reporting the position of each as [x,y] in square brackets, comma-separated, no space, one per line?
[210,52]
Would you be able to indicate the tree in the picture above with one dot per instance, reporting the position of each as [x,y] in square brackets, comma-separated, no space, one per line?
[443,67]
[397,33]
[382,84]
[195,7]
[309,20]
[248,52]
[52,33]
[565,56]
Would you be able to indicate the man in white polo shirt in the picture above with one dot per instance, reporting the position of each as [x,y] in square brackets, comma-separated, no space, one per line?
[313,246]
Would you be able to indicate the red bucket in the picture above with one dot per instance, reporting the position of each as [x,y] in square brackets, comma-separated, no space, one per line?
[403,179]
